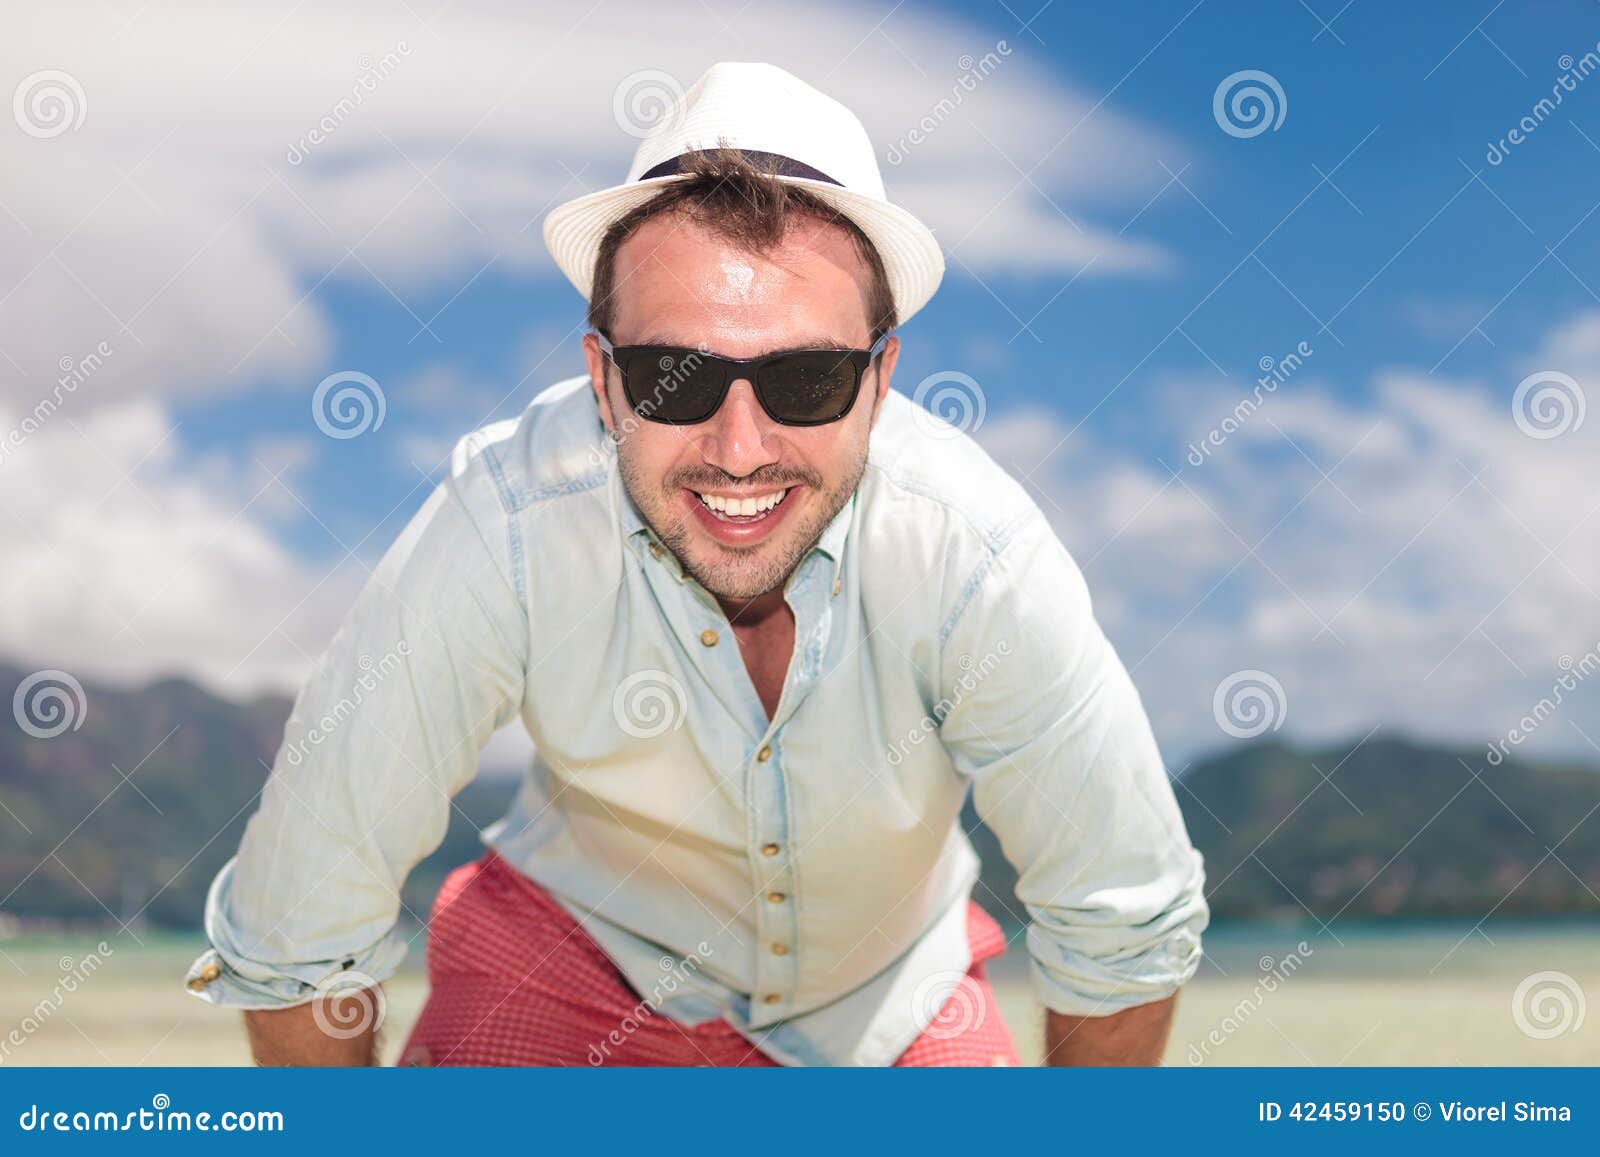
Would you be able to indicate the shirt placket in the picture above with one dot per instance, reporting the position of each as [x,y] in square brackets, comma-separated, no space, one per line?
[774,851]
[769,807]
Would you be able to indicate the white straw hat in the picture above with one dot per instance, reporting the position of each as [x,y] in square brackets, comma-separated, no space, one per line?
[813,142]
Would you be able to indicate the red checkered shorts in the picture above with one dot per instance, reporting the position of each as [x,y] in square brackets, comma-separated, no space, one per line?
[515,981]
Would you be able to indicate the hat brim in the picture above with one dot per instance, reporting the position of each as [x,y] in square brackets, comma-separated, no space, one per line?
[912,260]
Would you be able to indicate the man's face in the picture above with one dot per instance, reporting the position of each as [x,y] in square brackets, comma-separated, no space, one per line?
[678,285]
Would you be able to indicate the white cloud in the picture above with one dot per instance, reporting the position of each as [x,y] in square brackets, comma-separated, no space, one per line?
[186,236]
[124,563]
[1436,579]
[173,224]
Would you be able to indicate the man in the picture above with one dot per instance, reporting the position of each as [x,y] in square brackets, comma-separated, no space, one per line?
[766,622]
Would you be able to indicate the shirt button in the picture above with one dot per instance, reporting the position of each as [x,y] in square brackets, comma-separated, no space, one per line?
[837,583]
[775,897]
[708,637]
[207,974]
[771,998]
[655,549]
[764,754]
[780,950]
[769,849]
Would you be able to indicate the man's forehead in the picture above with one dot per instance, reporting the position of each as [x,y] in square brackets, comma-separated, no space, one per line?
[693,285]
[664,244]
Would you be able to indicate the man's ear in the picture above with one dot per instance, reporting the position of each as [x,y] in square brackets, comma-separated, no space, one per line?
[882,375]
[599,365]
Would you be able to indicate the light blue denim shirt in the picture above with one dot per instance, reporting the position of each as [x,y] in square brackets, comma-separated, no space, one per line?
[944,640]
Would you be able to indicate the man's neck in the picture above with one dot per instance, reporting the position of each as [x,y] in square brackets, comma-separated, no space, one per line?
[753,612]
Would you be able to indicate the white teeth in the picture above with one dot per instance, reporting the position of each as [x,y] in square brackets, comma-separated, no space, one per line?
[742,507]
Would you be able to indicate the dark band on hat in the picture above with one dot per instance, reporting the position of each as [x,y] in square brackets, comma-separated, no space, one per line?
[775,162]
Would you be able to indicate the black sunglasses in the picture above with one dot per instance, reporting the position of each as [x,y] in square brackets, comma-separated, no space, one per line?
[682,386]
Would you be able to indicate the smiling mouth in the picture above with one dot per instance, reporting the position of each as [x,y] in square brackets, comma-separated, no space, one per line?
[743,510]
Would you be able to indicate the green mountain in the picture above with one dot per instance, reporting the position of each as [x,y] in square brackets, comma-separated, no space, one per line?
[129,815]
[1386,827]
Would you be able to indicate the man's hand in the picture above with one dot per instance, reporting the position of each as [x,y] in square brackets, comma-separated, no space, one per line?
[338,1030]
[1134,1036]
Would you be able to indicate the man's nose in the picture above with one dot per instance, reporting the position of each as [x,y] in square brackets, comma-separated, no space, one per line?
[736,438]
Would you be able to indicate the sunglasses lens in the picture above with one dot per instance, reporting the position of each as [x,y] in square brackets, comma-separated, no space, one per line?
[808,388]
[672,385]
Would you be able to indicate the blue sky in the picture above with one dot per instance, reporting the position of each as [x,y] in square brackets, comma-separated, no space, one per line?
[1381,538]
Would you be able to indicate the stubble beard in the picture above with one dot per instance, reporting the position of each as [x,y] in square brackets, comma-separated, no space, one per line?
[739,572]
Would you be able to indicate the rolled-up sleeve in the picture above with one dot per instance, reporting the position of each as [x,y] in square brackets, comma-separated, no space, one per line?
[429,661]
[1040,713]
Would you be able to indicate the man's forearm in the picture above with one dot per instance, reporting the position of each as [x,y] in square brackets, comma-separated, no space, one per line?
[1134,1036]
[342,1033]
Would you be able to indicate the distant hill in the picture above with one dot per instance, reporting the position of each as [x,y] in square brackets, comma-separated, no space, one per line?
[1383,828]
[134,812]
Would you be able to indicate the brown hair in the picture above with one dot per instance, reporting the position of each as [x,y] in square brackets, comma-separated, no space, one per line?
[741,201]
